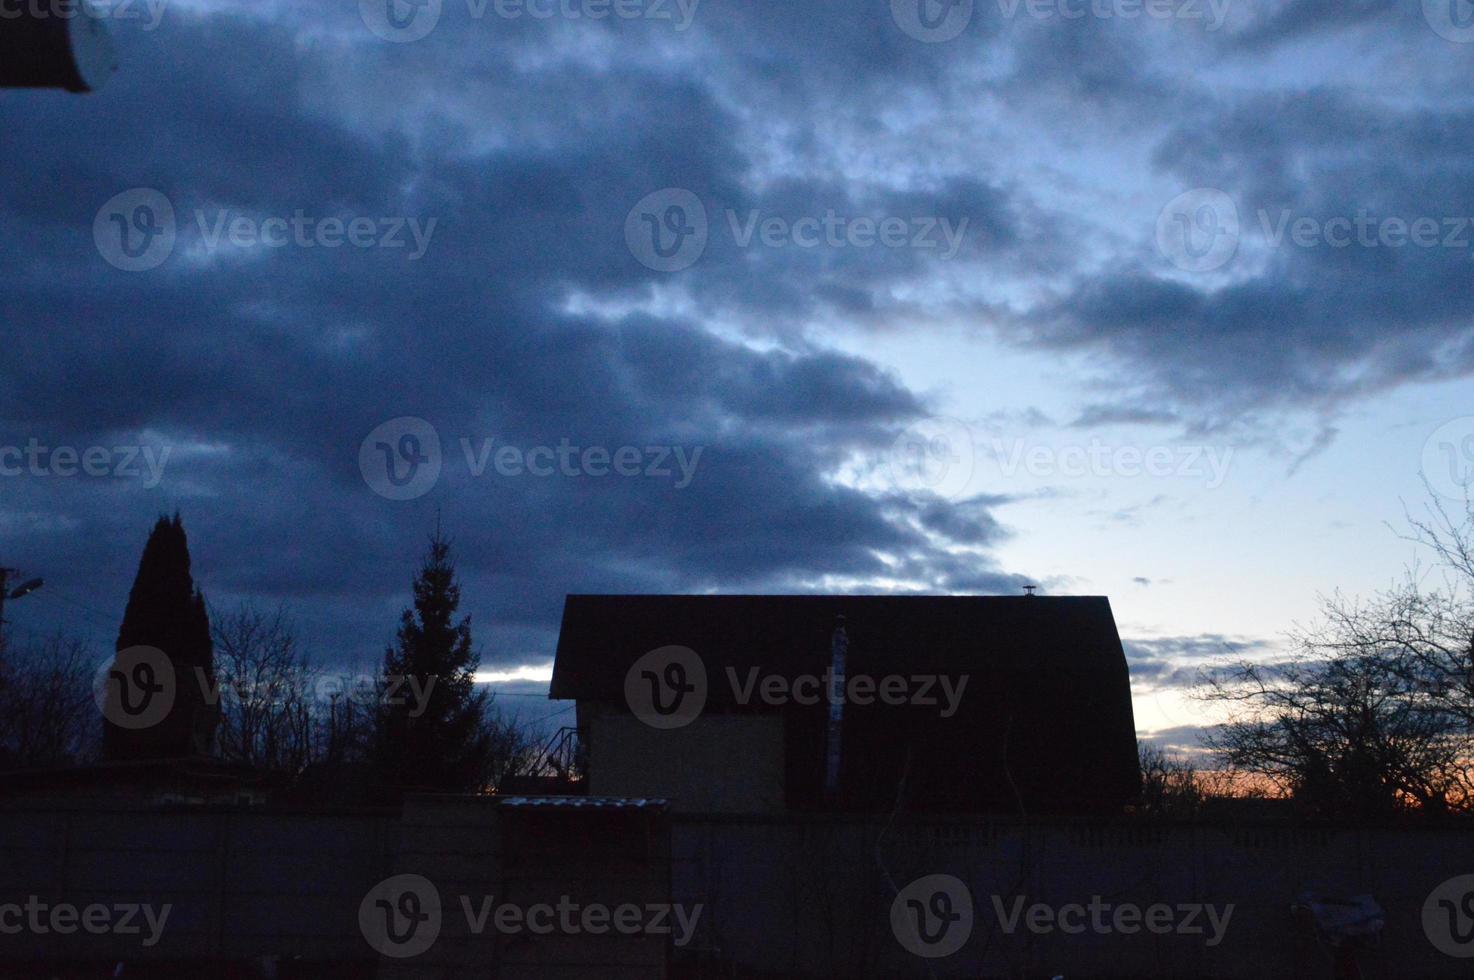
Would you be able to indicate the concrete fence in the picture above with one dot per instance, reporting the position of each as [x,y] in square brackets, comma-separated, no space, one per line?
[478,855]
[816,897]
[778,895]
[238,885]
[292,894]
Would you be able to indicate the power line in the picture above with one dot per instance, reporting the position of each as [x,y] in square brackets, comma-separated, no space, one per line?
[560,711]
[108,622]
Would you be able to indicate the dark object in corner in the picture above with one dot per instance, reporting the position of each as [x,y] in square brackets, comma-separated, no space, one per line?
[44,49]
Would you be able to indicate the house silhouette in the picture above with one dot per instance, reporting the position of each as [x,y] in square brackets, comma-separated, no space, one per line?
[1039,717]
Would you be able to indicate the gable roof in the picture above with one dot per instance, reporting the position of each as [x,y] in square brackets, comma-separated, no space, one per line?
[603,635]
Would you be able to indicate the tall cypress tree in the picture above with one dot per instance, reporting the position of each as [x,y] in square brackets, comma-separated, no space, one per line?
[430,732]
[166,611]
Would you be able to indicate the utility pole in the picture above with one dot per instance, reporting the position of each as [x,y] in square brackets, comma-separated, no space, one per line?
[5,574]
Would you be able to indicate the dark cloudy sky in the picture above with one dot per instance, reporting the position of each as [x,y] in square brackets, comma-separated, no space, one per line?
[947,299]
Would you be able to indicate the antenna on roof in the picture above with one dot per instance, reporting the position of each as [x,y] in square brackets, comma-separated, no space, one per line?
[1030,589]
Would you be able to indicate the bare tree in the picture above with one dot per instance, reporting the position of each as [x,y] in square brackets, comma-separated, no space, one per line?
[1170,785]
[265,686]
[1343,734]
[281,713]
[1175,786]
[1374,711]
[1431,629]
[47,714]
[344,717]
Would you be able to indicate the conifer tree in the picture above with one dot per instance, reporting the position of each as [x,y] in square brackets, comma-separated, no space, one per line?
[166,612]
[430,732]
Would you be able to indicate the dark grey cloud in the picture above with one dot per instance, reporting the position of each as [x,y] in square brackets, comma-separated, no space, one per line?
[1103,414]
[1298,19]
[528,320]
[262,370]
[1132,514]
[1179,739]
[1199,647]
[1186,661]
[1293,326]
